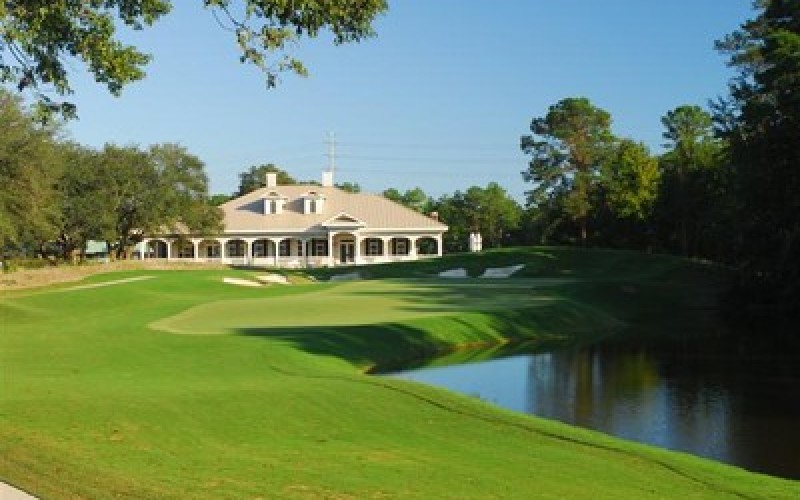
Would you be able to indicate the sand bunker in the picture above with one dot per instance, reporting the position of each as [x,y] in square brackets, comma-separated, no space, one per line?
[501,272]
[454,273]
[273,278]
[240,282]
[346,277]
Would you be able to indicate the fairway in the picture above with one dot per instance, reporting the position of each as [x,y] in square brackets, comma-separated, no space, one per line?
[351,304]
[100,400]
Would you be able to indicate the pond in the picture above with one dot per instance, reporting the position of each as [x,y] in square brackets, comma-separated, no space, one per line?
[729,401]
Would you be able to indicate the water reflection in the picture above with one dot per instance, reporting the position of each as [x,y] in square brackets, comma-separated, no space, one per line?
[697,397]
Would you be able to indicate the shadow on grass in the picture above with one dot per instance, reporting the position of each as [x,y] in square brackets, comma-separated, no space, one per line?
[392,346]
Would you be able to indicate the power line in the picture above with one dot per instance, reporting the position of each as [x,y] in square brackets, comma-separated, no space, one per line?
[431,145]
[432,159]
[405,172]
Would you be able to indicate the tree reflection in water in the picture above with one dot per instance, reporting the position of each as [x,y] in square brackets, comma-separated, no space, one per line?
[698,397]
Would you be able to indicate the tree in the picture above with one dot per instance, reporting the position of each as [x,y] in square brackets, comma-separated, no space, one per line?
[488,210]
[183,191]
[415,199]
[567,148]
[164,189]
[39,37]
[762,119]
[350,187]
[29,173]
[692,147]
[218,199]
[84,212]
[256,177]
[630,177]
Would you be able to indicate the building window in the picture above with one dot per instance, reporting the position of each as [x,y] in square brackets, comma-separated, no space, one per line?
[186,251]
[259,248]
[320,248]
[236,248]
[374,246]
[273,207]
[283,248]
[401,247]
[212,251]
[299,248]
[312,206]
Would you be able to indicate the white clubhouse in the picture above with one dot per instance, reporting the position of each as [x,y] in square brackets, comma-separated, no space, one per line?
[307,226]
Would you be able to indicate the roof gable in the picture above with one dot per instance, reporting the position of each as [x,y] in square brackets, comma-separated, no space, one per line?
[343,219]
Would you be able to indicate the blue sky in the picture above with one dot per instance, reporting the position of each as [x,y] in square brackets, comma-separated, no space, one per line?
[438,100]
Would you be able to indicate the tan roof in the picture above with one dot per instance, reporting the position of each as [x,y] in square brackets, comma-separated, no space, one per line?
[246,213]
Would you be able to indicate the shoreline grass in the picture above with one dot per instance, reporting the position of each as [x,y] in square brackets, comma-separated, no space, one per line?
[97,404]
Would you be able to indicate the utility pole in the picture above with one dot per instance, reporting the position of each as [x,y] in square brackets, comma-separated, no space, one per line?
[331,152]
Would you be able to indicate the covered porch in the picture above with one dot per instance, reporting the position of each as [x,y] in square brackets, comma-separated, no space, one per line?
[334,248]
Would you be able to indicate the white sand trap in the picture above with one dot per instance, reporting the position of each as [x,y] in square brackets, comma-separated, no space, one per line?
[346,277]
[273,278]
[8,492]
[454,273]
[501,272]
[240,282]
[109,283]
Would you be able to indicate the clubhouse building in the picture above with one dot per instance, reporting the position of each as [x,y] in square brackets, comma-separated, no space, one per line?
[307,226]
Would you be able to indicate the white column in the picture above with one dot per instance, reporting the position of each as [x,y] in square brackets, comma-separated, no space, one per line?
[277,244]
[330,249]
[143,253]
[305,251]
[248,256]
[412,250]
[439,241]
[357,255]
[385,250]
[223,242]
[196,249]
[169,249]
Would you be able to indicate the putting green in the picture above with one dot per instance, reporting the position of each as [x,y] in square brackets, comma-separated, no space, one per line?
[350,304]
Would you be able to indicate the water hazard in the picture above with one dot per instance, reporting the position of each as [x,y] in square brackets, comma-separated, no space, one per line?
[733,402]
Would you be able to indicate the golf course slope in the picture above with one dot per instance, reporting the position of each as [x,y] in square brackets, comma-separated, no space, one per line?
[183,386]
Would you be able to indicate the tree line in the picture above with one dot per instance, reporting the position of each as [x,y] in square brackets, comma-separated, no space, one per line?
[57,195]
[725,188]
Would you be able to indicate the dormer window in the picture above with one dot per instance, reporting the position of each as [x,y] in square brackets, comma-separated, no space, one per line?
[274,203]
[313,203]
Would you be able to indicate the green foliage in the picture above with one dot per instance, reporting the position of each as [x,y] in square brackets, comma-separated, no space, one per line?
[761,121]
[29,173]
[38,38]
[160,190]
[630,177]
[255,177]
[490,211]
[415,199]
[84,209]
[349,187]
[218,199]
[567,146]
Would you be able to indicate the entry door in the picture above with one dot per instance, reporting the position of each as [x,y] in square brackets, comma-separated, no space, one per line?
[347,252]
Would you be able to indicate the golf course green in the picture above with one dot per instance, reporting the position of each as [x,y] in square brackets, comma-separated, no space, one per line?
[174,384]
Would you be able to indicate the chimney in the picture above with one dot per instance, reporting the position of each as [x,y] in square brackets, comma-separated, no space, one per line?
[272,179]
[327,178]
[434,215]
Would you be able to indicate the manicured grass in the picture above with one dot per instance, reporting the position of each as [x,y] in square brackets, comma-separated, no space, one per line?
[183,387]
